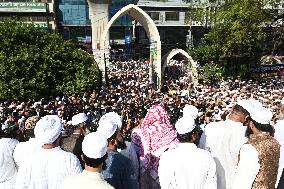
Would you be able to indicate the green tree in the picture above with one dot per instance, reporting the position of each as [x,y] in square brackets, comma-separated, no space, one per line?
[210,73]
[236,35]
[36,63]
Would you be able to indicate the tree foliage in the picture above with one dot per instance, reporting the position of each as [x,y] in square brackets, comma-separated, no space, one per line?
[236,33]
[36,63]
[210,73]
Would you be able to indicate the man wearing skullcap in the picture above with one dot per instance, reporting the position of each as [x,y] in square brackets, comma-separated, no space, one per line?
[73,143]
[187,166]
[8,169]
[119,171]
[47,168]
[94,148]
[191,111]
[24,150]
[224,140]
[259,158]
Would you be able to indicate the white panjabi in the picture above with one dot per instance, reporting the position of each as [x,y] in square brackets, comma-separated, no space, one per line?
[94,145]
[8,169]
[176,168]
[279,136]
[24,150]
[185,125]
[48,129]
[224,140]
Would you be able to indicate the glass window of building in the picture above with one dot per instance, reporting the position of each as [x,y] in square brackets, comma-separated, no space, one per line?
[154,15]
[172,16]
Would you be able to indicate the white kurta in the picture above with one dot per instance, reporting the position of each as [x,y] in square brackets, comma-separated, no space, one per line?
[24,151]
[279,136]
[8,170]
[47,169]
[224,140]
[187,167]
[248,168]
[86,180]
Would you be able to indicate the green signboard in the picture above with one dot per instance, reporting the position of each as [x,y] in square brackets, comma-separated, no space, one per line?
[23,7]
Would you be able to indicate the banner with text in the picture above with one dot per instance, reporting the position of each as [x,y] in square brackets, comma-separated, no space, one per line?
[23,7]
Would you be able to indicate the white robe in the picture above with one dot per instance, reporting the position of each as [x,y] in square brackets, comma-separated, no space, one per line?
[224,140]
[248,168]
[86,180]
[47,169]
[8,170]
[187,167]
[24,151]
[279,136]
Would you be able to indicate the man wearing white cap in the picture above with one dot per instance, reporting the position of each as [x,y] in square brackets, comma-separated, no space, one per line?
[187,166]
[279,136]
[119,171]
[47,168]
[259,158]
[224,140]
[73,143]
[8,169]
[190,111]
[94,148]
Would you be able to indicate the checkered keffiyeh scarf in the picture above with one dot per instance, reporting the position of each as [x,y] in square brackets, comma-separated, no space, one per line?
[153,138]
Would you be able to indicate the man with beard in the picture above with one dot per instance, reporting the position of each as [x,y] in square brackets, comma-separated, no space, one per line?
[73,143]
[224,140]
[94,148]
[259,158]
[187,166]
[119,171]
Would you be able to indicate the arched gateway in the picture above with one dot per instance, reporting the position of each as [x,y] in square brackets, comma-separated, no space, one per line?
[152,32]
[167,57]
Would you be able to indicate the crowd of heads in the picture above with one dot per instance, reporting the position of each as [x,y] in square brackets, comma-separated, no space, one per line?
[130,93]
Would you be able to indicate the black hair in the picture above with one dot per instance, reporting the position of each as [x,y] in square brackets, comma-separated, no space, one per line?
[187,137]
[237,109]
[91,162]
[29,133]
[264,127]
[113,137]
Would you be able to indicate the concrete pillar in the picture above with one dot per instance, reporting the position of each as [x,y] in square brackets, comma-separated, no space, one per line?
[99,15]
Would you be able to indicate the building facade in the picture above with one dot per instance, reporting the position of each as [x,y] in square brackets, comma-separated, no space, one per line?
[39,12]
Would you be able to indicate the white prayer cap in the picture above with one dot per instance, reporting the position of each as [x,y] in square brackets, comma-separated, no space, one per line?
[94,145]
[106,128]
[190,111]
[79,118]
[245,104]
[185,125]
[261,115]
[48,129]
[114,118]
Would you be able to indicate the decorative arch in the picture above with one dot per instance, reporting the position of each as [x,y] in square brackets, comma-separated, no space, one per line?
[167,57]
[152,32]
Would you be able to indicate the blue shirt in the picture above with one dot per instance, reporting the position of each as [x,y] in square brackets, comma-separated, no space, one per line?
[119,172]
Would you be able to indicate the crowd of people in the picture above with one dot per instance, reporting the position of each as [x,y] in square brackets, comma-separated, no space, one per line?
[147,137]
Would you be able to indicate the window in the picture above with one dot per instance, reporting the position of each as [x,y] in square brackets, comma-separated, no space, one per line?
[154,15]
[172,16]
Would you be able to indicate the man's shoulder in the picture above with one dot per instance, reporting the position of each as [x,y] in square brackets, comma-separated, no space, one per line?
[84,182]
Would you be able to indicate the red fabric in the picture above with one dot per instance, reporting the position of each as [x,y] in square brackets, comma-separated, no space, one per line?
[155,133]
